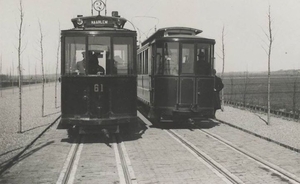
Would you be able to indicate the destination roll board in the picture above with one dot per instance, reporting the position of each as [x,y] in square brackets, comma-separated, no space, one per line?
[99,21]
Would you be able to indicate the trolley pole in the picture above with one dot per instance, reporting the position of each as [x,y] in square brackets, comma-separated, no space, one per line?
[105,8]
[92,7]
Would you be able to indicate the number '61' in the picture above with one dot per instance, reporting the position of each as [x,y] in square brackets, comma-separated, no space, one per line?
[96,88]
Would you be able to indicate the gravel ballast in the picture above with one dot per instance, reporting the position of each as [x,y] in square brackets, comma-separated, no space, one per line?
[33,124]
[280,130]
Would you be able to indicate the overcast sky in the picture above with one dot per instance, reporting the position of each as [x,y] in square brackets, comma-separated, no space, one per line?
[245,23]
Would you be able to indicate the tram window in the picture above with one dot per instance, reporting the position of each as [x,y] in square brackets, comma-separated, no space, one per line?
[99,55]
[123,58]
[74,55]
[141,64]
[138,64]
[204,60]
[187,58]
[146,61]
[158,62]
[171,52]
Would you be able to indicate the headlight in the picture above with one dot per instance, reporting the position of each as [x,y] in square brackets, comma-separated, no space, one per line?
[79,22]
[119,23]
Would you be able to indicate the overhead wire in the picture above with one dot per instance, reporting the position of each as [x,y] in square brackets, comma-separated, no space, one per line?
[145,16]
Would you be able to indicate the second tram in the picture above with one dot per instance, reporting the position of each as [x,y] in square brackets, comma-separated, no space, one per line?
[175,79]
[98,73]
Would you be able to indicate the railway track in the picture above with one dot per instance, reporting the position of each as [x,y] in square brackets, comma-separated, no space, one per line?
[221,171]
[125,171]
[276,169]
[204,158]
[67,175]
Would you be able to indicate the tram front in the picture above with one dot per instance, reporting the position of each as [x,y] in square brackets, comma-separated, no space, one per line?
[98,82]
[184,84]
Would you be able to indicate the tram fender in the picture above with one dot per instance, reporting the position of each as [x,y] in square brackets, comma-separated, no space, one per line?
[151,113]
[62,125]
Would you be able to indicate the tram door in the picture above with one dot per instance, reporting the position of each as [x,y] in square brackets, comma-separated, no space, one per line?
[196,83]
[187,77]
[203,69]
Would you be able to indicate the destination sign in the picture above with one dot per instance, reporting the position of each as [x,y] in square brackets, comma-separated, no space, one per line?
[98,21]
[95,22]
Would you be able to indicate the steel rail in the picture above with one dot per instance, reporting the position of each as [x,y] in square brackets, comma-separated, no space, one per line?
[129,176]
[217,167]
[69,163]
[289,176]
[232,178]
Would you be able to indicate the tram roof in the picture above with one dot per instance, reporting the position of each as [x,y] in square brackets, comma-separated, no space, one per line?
[171,31]
[98,25]
[96,30]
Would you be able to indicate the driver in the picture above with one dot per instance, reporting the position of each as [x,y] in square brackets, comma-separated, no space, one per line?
[94,67]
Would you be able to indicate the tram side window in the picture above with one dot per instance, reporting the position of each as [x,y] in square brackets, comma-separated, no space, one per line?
[146,61]
[204,60]
[187,58]
[171,55]
[74,55]
[143,62]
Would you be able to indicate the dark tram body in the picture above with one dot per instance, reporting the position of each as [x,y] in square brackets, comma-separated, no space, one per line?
[98,73]
[175,79]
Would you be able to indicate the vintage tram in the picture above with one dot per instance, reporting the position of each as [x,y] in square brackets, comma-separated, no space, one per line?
[175,79]
[98,74]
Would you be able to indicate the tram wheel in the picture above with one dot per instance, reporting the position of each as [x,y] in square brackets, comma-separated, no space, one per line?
[73,132]
[156,118]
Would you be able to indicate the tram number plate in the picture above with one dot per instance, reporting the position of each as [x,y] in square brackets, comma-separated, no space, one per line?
[98,88]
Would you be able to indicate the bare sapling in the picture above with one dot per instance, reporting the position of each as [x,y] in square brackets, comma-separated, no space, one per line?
[42,65]
[1,74]
[295,99]
[57,62]
[269,63]
[223,66]
[268,51]
[29,76]
[19,65]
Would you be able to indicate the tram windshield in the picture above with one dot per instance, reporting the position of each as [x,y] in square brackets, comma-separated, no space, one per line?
[95,56]
[167,58]
[75,55]
[203,65]
[171,53]
[188,58]
[123,53]
[195,58]
[100,53]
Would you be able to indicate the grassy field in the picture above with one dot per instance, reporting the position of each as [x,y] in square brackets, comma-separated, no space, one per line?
[10,81]
[251,89]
